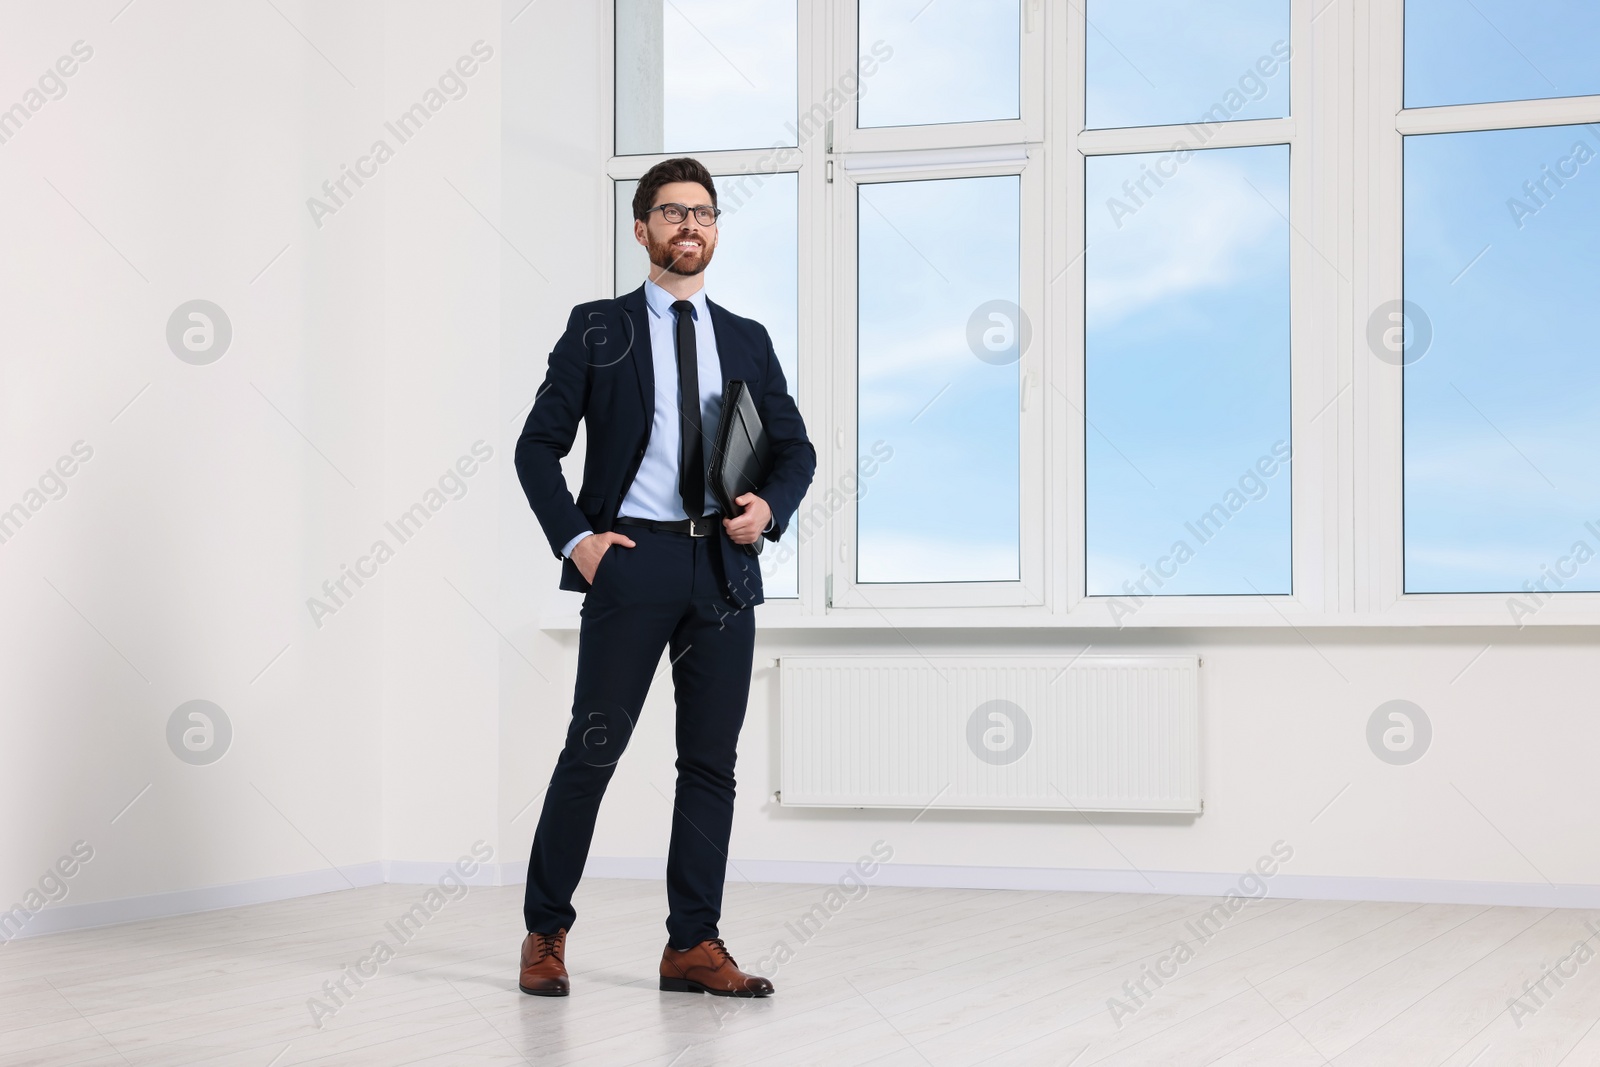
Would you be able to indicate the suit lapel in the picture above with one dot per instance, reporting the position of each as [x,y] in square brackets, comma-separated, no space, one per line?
[644,363]
[719,330]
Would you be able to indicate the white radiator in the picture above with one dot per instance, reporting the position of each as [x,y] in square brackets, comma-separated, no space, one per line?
[1091,733]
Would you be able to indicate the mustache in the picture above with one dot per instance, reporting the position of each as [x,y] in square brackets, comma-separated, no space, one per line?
[675,254]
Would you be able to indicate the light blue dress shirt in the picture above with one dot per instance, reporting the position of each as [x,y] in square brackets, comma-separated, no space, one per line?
[654,492]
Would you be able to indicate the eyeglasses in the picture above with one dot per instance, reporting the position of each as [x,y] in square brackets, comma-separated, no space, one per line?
[676,213]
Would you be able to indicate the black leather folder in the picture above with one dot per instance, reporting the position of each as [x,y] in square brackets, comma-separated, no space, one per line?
[742,460]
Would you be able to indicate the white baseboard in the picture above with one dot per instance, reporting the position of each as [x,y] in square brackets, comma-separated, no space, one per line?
[1180,883]
[58,918]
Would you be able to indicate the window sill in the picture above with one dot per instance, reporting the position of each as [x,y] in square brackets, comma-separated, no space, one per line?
[1281,613]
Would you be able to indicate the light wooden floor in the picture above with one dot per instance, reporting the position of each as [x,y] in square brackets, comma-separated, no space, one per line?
[895,977]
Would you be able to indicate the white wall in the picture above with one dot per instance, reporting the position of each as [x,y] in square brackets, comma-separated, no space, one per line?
[178,563]
[370,356]
[364,364]
[443,289]
[555,139]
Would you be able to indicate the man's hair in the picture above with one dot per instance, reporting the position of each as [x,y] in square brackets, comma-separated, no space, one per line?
[682,169]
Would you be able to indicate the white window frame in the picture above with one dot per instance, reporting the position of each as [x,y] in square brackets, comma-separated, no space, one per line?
[1344,135]
[853,173]
[929,152]
[1379,525]
[1313,307]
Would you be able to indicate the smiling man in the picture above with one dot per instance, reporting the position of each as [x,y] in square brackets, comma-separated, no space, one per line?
[660,567]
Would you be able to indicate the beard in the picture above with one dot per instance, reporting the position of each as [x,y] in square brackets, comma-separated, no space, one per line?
[663,255]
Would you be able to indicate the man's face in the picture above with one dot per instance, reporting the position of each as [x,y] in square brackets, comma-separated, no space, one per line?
[680,247]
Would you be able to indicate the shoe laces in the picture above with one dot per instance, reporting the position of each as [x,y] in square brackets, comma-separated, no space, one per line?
[716,942]
[549,945]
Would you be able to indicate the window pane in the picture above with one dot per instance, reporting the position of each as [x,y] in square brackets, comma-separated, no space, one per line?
[1475,51]
[754,272]
[1170,62]
[1502,380]
[1187,373]
[940,62]
[705,75]
[937,425]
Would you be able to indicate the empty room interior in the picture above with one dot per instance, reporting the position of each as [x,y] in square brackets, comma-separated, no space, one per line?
[1101,567]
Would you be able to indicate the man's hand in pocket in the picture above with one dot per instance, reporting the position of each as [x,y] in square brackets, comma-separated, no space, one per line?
[586,553]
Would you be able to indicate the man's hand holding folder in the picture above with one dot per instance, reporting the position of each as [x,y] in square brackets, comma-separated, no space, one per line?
[741,463]
[745,528]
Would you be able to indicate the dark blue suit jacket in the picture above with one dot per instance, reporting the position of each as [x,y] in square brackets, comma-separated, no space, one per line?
[601,371]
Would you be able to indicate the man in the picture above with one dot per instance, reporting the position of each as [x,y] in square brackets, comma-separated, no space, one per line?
[659,567]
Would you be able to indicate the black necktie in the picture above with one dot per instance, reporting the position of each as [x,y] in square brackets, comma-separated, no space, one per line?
[691,456]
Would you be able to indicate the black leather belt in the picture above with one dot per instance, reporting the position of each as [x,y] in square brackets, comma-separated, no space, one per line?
[700,527]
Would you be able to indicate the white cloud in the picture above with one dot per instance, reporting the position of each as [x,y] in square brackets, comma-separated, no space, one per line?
[1205,228]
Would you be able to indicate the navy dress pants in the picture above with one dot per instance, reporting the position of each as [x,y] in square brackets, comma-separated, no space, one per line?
[664,593]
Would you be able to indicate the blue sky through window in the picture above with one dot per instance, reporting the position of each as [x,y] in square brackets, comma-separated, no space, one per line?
[1474,51]
[1501,454]
[728,75]
[1187,373]
[951,62]
[1168,62]
[945,506]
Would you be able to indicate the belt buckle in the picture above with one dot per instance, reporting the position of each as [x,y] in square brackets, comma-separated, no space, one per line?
[694,531]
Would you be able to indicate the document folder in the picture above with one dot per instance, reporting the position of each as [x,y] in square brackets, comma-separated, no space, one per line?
[742,461]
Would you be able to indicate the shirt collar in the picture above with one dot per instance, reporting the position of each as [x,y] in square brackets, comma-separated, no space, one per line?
[660,301]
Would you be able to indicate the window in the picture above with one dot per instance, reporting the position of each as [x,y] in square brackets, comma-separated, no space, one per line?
[1475,51]
[1187,301]
[1147,312]
[936,282]
[1503,395]
[1473,393]
[1171,62]
[1186,313]
[938,344]
[704,75]
[952,62]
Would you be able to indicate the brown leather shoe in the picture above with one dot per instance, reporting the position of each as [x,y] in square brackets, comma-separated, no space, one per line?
[544,973]
[707,968]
